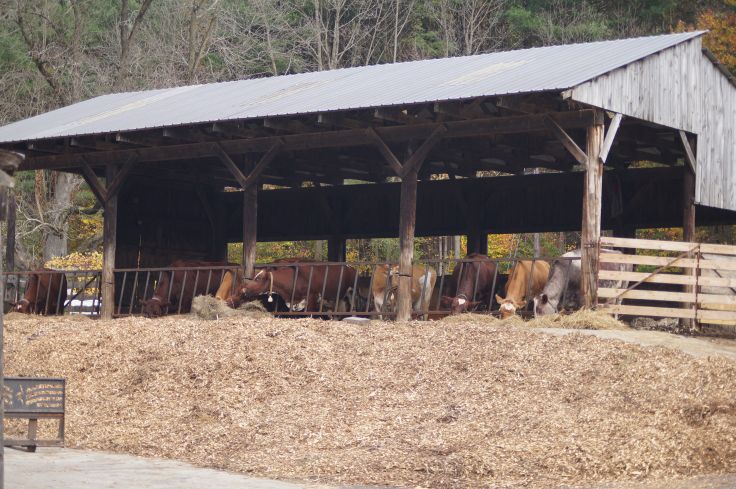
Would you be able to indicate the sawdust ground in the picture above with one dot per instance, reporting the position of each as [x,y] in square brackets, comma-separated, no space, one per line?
[437,404]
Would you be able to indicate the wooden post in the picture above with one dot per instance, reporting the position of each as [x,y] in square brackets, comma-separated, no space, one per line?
[109,243]
[688,233]
[250,228]
[591,226]
[336,249]
[10,245]
[407,221]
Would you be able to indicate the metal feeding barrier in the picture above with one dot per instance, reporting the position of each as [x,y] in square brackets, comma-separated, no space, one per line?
[324,289]
[54,292]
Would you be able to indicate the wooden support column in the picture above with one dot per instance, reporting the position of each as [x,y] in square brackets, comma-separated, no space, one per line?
[592,199]
[688,190]
[250,229]
[109,244]
[688,214]
[107,195]
[250,186]
[409,173]
[407,222]
[336,249]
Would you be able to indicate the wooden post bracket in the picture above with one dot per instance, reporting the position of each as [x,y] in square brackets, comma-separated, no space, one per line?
[689,155]
[610,137]
[569,144]
[252,178]
[103,192]
[414,162]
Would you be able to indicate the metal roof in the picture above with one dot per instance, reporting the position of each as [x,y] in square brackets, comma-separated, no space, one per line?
[522,71]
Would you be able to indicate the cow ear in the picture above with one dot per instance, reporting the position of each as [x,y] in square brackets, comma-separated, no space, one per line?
[499,299]
[545,299]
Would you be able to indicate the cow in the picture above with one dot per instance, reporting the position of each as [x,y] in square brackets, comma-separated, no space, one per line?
[386,284]
[177,287]
[45,293]
[527,277]
[473,279]
[304,282]
[564,283]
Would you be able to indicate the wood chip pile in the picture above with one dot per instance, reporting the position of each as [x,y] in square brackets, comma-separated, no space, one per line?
[435,404]
[582,319]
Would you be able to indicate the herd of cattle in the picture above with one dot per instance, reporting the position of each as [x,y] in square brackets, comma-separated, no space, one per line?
[293,284]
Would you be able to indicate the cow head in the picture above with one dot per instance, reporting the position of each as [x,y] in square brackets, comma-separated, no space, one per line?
[261,283]
[154,307]
[542,306]
[23,306]
[508,307]
[458,305]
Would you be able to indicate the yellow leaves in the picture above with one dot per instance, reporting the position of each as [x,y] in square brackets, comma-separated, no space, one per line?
[76,261]
[722,37]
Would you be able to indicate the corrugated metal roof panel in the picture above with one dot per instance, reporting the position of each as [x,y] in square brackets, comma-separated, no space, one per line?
[509,72]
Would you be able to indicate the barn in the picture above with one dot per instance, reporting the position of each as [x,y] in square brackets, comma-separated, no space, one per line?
[371,140]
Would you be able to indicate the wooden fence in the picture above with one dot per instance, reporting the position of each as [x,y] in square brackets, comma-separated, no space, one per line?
[696,280]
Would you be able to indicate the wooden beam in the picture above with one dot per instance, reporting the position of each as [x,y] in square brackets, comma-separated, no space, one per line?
[566,141]
[94,183]
[385,151]
[10,218]
[592,205]
[689,154]
[332,139]
[265,160]
[230,164]
[415,161]
[610,137]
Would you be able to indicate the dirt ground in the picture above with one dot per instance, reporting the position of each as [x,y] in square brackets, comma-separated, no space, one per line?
[438,404]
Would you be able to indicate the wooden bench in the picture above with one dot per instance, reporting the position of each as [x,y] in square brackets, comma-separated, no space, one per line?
[34,398]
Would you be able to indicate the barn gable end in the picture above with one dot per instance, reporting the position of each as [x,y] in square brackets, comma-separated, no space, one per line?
[681,88]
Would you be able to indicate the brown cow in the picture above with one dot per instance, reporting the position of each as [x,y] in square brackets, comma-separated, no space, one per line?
[45,294]
[335,280]
[478,269]
[178,292]
[386,283]
[526,277]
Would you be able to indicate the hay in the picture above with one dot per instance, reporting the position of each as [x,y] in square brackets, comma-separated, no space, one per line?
[209,308]
[583,319]
[429,404]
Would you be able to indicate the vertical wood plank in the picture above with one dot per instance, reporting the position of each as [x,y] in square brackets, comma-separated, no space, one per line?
[336,249]
[407,222]
[591,226]
[109,244]
[688,231]
[10,245]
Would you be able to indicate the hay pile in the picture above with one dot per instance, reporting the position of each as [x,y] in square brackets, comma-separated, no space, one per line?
[210,308]
[582,319]
[430,404]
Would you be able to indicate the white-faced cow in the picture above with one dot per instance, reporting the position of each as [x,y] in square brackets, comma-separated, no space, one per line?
[526,280]
[562,291]
[386,284]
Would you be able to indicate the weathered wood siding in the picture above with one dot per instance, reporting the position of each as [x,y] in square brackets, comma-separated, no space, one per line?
[680,88]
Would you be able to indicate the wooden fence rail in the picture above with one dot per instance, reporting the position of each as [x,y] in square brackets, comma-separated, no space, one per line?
[706,274]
